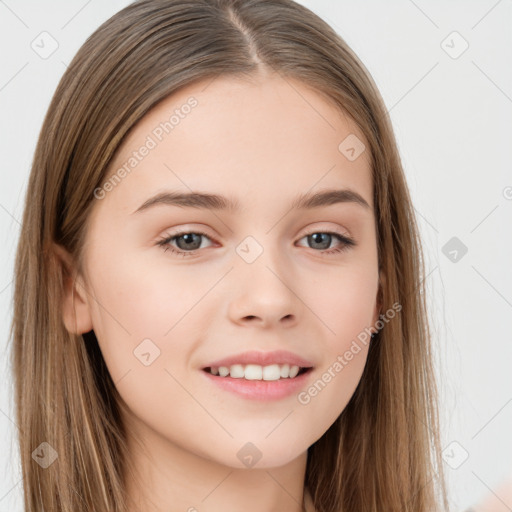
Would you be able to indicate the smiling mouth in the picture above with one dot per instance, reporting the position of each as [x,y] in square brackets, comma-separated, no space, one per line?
[271,372]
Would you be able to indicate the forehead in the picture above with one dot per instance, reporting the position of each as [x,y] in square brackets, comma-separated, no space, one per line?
[261,139]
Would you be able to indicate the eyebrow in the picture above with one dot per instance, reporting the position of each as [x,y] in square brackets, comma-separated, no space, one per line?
[202,200]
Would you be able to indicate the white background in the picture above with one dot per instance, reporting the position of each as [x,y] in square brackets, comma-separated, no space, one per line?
[453,122]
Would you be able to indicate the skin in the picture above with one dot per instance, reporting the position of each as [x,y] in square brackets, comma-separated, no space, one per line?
[498,500]
[261,142]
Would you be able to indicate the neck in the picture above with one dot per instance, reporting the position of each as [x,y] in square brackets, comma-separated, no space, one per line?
[169,478]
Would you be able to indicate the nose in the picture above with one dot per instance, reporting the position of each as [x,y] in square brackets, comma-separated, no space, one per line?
[262,294]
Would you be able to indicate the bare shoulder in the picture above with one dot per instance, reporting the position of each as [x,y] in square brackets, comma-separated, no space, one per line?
[499,500]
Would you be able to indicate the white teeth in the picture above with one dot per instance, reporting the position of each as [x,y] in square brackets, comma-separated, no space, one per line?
[236,371]
[252,372]
[293,371]
[272,372]
[257,372]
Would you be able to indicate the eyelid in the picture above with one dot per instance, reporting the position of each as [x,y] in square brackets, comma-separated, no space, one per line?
[184,229]
[320,227]
[346,240]
[179,232]
[202,231]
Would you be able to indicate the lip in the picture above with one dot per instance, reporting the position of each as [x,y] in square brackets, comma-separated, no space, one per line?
[262,390]
[262,359]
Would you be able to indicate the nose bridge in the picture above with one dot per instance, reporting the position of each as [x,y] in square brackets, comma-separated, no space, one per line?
[263,254]
[263,287]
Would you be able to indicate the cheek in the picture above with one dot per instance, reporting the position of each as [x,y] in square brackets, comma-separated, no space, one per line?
[345,309]
[335,382]
[344,301]
[137,300]
[136,306]
[142,297]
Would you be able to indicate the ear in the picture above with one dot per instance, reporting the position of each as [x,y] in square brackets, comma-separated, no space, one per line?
[75,308]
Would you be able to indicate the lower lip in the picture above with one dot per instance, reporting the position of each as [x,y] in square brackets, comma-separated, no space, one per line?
[260,389]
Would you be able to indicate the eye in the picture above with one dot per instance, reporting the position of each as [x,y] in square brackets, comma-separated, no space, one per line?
[188,242]
[323,239]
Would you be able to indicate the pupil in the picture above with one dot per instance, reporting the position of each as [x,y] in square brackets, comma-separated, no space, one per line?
[189,239]
[325,243]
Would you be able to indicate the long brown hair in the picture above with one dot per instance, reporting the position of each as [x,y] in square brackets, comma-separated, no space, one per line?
[383,452]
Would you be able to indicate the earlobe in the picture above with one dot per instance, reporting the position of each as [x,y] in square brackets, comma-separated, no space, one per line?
[76,314]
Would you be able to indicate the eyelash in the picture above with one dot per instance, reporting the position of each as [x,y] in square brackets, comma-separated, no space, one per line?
[347,243]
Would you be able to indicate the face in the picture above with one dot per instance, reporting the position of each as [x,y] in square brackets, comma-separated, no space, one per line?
[175,285]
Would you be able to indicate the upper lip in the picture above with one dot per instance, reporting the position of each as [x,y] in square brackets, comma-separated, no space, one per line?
[262,359]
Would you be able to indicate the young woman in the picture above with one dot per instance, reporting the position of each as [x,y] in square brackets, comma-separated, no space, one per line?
[219,299]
